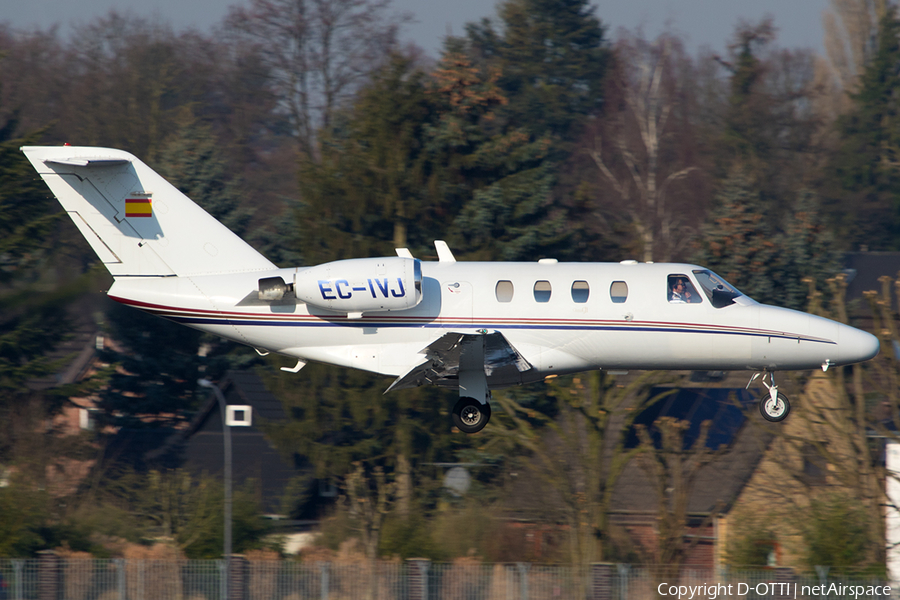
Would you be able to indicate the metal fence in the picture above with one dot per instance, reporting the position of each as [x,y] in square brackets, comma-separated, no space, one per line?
[54,578]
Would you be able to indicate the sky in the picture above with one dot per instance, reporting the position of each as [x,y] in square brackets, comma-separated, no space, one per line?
[700,22]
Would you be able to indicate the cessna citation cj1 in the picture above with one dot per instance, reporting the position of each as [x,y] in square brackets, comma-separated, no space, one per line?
[474,326]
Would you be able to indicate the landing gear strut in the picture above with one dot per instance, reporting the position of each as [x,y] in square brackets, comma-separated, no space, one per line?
[774,406]
[472,412]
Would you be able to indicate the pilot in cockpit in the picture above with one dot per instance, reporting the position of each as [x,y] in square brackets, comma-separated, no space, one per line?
[681,291]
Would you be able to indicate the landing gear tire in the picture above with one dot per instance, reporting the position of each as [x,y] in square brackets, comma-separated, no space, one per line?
[470,415]
[774,410]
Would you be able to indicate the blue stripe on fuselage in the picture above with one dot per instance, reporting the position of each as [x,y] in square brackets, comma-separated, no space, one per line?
[634,328]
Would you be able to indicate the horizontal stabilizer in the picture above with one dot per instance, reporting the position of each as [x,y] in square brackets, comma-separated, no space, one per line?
[88,162]
[503,364]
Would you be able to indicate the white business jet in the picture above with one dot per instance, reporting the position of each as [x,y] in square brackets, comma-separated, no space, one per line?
[474,326]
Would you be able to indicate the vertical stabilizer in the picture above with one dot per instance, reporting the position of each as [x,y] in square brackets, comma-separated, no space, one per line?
[138,223]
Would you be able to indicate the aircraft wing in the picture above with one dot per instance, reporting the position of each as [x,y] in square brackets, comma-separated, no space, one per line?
[503,364]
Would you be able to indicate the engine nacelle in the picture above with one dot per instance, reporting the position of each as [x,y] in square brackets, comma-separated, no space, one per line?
[362,285]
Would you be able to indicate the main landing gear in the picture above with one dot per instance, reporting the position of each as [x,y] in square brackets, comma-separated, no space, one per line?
[774,406]
[472,412]
[470,415]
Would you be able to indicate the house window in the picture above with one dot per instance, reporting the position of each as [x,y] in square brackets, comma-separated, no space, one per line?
[87,418]
[815,467]
[327,489]
[504,291]
[542,291]
[580,291]
[238,415]
[618,292]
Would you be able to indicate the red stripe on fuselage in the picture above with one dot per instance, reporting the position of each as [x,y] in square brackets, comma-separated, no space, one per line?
[173,311]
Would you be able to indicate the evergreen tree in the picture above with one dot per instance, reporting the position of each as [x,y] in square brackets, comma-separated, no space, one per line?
[192,160]
[765,259]
[807,250]
[748,135]
[33,298]
[366,194]
[862,185]
[738,242]
[546,62]
[341,420]
[552,56]
[493,177]
[156,370]
[768,127]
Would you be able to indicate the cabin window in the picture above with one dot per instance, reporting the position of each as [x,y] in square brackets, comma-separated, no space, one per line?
[580,291]
[681,290]
[542,291]
[618,292]
[504,291]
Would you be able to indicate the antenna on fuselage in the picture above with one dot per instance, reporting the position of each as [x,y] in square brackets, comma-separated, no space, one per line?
[443,250]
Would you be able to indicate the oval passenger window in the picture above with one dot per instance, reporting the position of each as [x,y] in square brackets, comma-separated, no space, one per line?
[542,291]
[581,291]
[504,291]
[618,292]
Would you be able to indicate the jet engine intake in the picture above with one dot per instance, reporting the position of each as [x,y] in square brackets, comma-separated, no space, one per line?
[273,288]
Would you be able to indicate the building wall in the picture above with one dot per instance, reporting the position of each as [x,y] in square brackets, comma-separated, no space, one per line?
[792,472]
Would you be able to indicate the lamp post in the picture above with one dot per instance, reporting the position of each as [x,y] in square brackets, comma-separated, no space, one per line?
[226,434]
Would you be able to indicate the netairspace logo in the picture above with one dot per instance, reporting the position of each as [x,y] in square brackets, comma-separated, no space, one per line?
[780,589]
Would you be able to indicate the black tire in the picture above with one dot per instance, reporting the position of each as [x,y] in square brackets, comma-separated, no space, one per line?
[470,415]
[774,411]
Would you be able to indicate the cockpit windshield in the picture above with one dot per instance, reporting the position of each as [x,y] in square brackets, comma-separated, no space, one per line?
[720,292]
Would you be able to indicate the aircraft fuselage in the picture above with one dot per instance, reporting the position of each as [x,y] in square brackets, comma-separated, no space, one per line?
[618,316]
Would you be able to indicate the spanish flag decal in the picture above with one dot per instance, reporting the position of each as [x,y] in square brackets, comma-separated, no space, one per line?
[138,207]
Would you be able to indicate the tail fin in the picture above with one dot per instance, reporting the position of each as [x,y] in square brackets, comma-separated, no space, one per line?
[138,223]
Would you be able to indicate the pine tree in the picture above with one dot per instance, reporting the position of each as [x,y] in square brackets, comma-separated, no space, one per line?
[748,127]
[33,317]
[341,420]
[192,161]
[763,258]
[807,250]
[157,367]
[366,193]
[552,55]
[494,179]
[738,242]
[546,62]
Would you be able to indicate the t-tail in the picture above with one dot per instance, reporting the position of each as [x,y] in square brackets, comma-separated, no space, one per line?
[139,224]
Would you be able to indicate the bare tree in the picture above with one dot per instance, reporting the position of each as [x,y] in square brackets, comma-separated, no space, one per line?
[642,157]
[851,32]
[369,497]
[580,455]
[316,52]
[673,469]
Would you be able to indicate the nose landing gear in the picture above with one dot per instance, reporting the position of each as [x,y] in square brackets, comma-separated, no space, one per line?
[774,406]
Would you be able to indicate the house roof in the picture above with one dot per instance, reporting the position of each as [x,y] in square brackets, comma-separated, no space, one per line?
[239,388]
[738,434]
[200,446]
[739,438]
[863,270]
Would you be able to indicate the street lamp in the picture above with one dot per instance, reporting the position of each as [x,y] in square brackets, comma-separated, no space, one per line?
[226,434]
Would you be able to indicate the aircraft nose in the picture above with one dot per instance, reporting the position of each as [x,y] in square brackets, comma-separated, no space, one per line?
[856,345]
